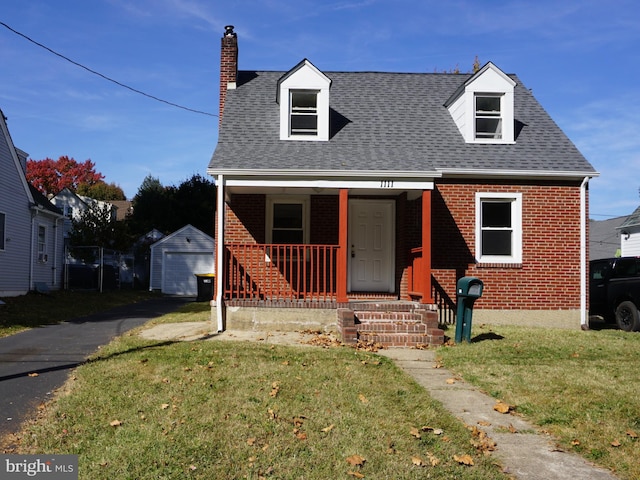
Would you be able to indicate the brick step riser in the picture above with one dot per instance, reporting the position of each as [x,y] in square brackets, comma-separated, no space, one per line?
[387,316]
[402,340]
[386,327]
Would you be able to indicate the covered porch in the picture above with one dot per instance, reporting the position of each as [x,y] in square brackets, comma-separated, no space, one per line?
[328,247]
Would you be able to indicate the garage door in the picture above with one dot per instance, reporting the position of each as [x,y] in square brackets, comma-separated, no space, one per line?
[179,269]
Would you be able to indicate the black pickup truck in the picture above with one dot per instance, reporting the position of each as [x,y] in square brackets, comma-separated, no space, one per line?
[614,291]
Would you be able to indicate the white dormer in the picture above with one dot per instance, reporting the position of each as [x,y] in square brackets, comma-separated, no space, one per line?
[303,95]
[483,107]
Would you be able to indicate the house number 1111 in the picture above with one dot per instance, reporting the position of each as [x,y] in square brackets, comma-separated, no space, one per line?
[386,183]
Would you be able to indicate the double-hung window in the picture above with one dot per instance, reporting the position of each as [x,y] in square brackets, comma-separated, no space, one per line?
[303,115]
[42,244]
[488,116]
[3,219]
[499,228]
[287,220]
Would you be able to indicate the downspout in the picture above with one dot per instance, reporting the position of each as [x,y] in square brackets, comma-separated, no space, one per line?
[34,214]
[584,318]
[219,252]
[55,252]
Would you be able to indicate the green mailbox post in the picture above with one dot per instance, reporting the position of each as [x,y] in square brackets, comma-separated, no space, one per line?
[468,289]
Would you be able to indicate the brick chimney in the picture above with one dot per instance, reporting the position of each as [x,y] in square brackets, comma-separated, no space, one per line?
[228,65]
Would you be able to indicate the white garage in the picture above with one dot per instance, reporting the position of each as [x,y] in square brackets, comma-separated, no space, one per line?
[177,258]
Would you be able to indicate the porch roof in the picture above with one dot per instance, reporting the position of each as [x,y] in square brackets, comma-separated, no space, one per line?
[386,123]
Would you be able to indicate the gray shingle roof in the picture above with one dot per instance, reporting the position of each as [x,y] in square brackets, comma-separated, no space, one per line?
[385,122]
[632,220]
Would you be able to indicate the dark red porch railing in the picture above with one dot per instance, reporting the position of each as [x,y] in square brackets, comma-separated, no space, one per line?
[280,272]
[417,289]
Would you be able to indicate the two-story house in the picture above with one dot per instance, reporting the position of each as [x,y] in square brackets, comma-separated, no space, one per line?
[339,193]
[31,242]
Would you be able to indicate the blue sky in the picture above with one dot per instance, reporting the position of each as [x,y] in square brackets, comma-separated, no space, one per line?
[580,58]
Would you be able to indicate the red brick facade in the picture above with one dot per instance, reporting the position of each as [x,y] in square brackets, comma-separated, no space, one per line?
[547,279]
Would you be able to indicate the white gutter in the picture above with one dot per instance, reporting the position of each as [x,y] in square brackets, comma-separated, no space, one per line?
[584,318]
[219,251]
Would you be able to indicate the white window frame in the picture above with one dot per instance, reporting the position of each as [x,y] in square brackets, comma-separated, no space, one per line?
[308,111]
[42,244]
[3,231]
[291,199]
[488,115]
[515,199]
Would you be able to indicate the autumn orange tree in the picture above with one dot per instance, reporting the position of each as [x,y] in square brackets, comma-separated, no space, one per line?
[51,176]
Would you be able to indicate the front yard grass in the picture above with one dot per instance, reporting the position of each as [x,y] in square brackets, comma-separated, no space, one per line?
[582,387]
[235,410]
[209,409]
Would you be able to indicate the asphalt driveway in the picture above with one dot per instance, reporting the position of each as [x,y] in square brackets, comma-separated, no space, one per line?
[34,363]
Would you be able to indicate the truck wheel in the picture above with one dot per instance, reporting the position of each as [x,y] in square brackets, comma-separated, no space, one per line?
[627,317]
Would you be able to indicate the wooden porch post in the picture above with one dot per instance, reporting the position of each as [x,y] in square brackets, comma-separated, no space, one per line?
[343,248]
[426,247]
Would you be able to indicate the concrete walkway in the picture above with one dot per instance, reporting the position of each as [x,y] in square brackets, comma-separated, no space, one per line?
[523,452]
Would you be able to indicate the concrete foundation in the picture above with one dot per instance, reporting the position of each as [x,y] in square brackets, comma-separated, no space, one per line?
[529,318]
[280,319]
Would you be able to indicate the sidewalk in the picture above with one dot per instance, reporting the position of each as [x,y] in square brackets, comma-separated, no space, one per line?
[523,452]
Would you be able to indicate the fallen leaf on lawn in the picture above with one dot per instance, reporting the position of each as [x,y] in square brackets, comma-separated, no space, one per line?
[328,429]
[193,468]
[272,414]
[575,354]
[286,362]
[632,434]
[433,460]
[435,431]
[512,429]
[251,441]
[356,460]
[484,423]
[301,436]
[363,399]
[417,461]
[502,407]
[356,474]
[575,442]
[115,423]
[164,406]
[275,388]
[34,374]
[463,459]
[616,443]
[451,381]
[415,432]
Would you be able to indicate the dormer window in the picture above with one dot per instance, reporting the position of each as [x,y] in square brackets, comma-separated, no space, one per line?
[483,107]
[303,95]
[488,117]
[304,112]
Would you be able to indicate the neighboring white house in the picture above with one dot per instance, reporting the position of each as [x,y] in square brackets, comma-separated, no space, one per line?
[177,258]
[31,242]
[73,205]
[630,235]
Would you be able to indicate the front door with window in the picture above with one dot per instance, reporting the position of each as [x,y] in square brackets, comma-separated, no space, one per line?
[372,245]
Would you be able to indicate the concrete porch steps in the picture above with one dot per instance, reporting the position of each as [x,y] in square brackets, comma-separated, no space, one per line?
[391,324]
